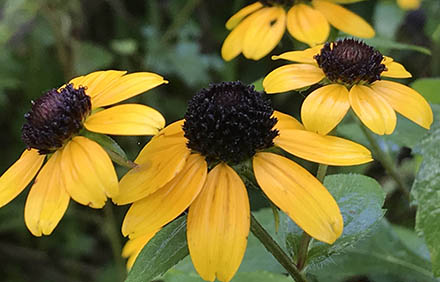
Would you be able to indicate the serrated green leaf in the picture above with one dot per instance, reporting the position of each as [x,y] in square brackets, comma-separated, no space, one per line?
[360,199]
[428,87]
[164,251]
[426,192]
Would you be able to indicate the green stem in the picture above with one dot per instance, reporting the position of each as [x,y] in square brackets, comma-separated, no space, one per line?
[386,162]
[113,236]
[278,253]
[120,160]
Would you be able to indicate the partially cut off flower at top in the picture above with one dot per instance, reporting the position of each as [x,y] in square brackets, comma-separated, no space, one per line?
[190,164]
[409,4]
[258,28]
[350,72]
[76,167]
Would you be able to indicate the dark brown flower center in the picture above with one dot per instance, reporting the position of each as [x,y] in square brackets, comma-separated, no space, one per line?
[55,117]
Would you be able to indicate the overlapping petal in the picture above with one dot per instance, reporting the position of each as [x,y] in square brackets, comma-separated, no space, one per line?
[395,70]
[233,44]
[240,15]
[300,195]
[48,199]
[18,176]
[218,225]
[304,56]
[96,82]
[127,119]
[286,122]
[133,247]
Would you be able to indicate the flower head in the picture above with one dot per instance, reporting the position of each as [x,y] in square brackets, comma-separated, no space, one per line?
[258,28]
[350,72]
[191,163]
[76,167]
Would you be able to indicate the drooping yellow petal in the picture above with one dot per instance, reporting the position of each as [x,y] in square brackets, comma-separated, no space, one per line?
[240,15]
[304,56]
[307,24]
[127,119]
[218,225]
[395,70]
[291,77]
[89,175]
[344,19]
[265,30]
[409,4]
[286,122]
[97,81]
[18,176]
[125,87]
[233,44]
[373,110]
[159,162]
[133,248]
[405,101]
[48,199]
[317,148]
[154,211]
[300,195]
[324,108]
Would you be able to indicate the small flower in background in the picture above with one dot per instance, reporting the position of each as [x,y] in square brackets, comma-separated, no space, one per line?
[76,167]
[191,164]
[409,4]
[259,27]
[351,72]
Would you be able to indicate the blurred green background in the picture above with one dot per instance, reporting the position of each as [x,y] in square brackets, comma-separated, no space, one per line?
[45,43]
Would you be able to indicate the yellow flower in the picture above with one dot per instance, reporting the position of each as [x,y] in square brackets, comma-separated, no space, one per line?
[351,72]
[409,4]
[191,164]
[259,27]
[76,167]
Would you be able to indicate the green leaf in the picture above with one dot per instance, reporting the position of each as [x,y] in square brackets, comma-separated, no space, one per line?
[110,145]
[258,84]
[257,276]
[165,250]
[426,191]
[390,44]
[428,87]
[360,199]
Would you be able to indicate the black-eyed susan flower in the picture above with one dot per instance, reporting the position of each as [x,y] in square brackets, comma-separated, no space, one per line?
[351,73]
[76,167]
[409,4]
[190,163]
[258,28]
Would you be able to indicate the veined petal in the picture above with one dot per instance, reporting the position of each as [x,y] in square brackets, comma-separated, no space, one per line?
[291,77]
[89,175]
[304,56]
[300,195]
[373,110]
[133,248]
[324,108]
[307,24]
[127,119]
[265,30]
[240,15]
[97,81]
[18,176]
[125,87]
[233,44]
[405,101]
[218,225]
[344,19]
[317,148]
[395,70]
[154,211]
[159,162]
[409,4]
[48,199]
[286,122]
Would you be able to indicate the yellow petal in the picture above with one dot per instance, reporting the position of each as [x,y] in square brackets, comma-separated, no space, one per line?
[324,108]
[307,24]
[240,15]
[266,28]
[133,247]
[328,150]
[233,44]
[409,4]
[344,19]
[300,195]
[96,82]
[286,122]
[373,110]
[218,225]
[159,162]
[125,87]
[47,200]
[154,211]
[127,119]
[305,56]
[88,172]
[18,176]
[291,77]
[405,101]
[395,70]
